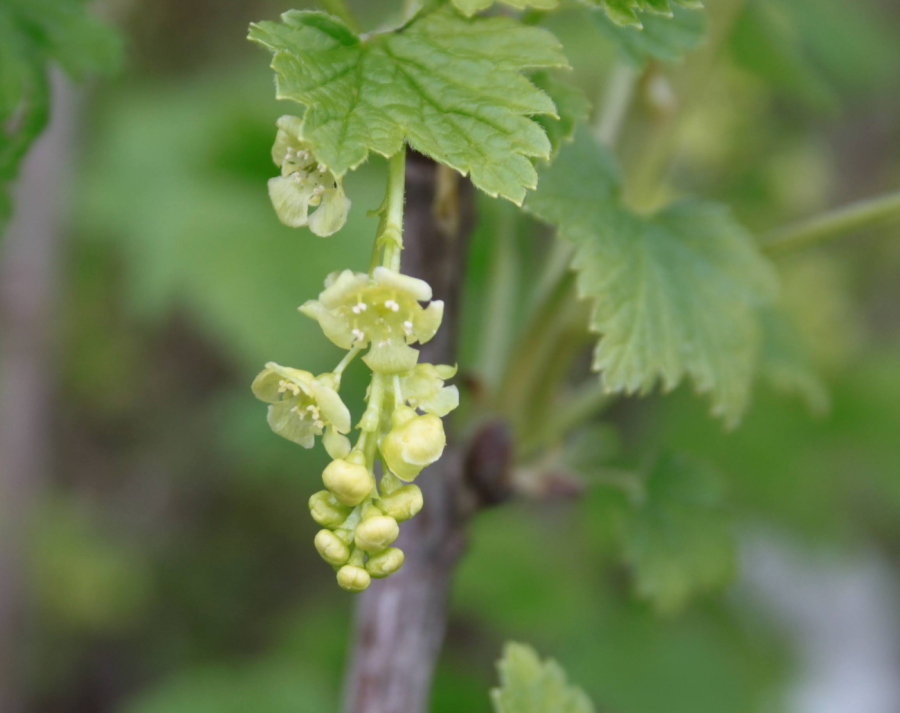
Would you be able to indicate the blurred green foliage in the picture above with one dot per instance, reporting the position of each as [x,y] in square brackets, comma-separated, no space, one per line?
[172,559]
[36,35]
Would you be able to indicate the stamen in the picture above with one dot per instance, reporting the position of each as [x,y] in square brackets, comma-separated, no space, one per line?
[319,424]
[359,334]
[392,305]
[318,190]
[408,327]
[282,386]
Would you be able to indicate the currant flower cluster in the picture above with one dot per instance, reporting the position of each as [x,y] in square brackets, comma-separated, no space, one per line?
[379,312]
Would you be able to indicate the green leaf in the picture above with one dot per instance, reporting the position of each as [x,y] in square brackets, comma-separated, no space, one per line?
[470,7]
[33,35]
[786,363]
[529,685]
[674,294]
[572,108]
[631,12]
[451,86]
[662,38]
[678,539]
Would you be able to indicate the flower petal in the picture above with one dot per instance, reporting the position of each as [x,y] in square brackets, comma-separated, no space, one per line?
[335,443]
[331,214]
[341,288]
[289,425]
[391,358]
[335,328]
[290,200]
[290,132]
[428,321]
[298,376]
[441,403]
[418,289]
[265,386]
[445,371]
[331,406]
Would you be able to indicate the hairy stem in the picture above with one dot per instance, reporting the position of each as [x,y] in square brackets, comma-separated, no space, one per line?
[389,235]
[832,224]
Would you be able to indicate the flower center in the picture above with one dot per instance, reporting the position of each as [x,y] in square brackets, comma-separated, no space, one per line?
[303,405]
[379,316]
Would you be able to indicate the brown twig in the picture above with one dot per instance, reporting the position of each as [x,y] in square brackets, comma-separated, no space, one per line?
[400,621]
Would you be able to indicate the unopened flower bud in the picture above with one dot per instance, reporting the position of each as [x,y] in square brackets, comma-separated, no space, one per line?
[385,563]
[376,533]
[353,578]
[403,503]
[331,547]
[414,442]
[349,479]
[326,510]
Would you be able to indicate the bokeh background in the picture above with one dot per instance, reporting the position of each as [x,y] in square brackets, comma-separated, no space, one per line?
[168,557]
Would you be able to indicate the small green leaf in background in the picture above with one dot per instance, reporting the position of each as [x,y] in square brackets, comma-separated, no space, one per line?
[453,87]
[529,685]
[470,7]
[677,538]
[572,109]
[674,294]
[33,35]
[664,38]
[786,363]
[634,12]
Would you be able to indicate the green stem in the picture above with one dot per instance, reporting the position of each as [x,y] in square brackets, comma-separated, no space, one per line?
[656,146]
[616,102]
[831,224]
[496,332]
[585,403]
[390,230]
[344,363]
[340,9]
[524,370]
